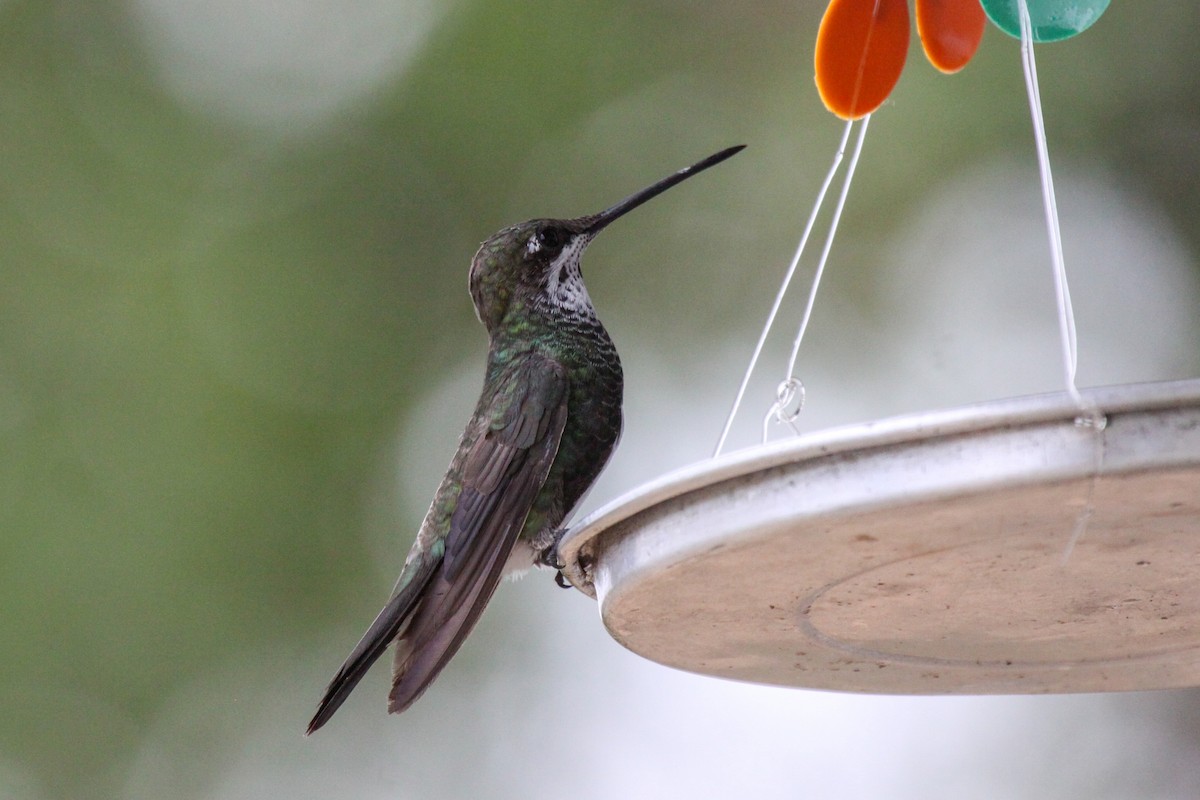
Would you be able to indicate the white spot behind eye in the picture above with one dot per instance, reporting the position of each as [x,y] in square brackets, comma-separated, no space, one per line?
[533,245]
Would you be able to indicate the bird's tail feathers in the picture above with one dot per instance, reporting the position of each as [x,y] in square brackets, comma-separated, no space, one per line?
[383,631]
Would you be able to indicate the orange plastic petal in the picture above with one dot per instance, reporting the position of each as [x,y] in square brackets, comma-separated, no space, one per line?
[950,31]
[861,48]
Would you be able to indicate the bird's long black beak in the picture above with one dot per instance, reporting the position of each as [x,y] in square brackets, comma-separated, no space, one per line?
[597,222]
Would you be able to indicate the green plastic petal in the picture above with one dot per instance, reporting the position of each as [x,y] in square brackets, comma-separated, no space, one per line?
[1052,20]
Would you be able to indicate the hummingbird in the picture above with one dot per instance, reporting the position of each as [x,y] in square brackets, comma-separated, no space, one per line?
[545,425]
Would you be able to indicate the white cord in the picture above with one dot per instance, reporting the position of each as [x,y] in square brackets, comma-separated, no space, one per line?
[812,217]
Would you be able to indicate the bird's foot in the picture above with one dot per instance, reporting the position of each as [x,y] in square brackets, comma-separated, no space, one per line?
[549,558]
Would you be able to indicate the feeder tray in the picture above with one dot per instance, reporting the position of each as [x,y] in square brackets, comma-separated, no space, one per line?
[998,548]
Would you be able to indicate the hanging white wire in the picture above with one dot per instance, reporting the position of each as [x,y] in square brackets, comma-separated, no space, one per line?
[1066,312]
[787,388]
[787,279]
[1089,415]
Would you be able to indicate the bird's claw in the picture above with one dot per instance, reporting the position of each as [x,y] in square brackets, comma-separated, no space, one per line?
[549,555]
[549,558]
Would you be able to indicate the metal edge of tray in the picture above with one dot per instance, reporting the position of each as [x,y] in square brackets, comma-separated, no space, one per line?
[912,429]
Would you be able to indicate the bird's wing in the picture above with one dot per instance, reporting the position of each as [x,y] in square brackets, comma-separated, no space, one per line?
[444,586]
[502,474]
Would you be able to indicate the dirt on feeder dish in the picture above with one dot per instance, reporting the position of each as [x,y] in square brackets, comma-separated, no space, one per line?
[1000,548]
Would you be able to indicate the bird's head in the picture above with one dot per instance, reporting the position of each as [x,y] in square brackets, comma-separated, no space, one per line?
[533,268]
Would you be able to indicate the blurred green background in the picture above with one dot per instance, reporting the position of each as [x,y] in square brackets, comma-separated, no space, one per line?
[236,350]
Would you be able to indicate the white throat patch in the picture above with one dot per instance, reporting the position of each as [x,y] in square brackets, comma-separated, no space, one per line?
[564,281]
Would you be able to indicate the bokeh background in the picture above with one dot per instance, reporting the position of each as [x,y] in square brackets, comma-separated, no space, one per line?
[236,351]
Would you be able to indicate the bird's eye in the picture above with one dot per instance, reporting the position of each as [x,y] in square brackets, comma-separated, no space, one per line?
[550,238]
[547,242]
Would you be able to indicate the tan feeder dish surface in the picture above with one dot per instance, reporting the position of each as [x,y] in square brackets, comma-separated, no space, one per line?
[997,548]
